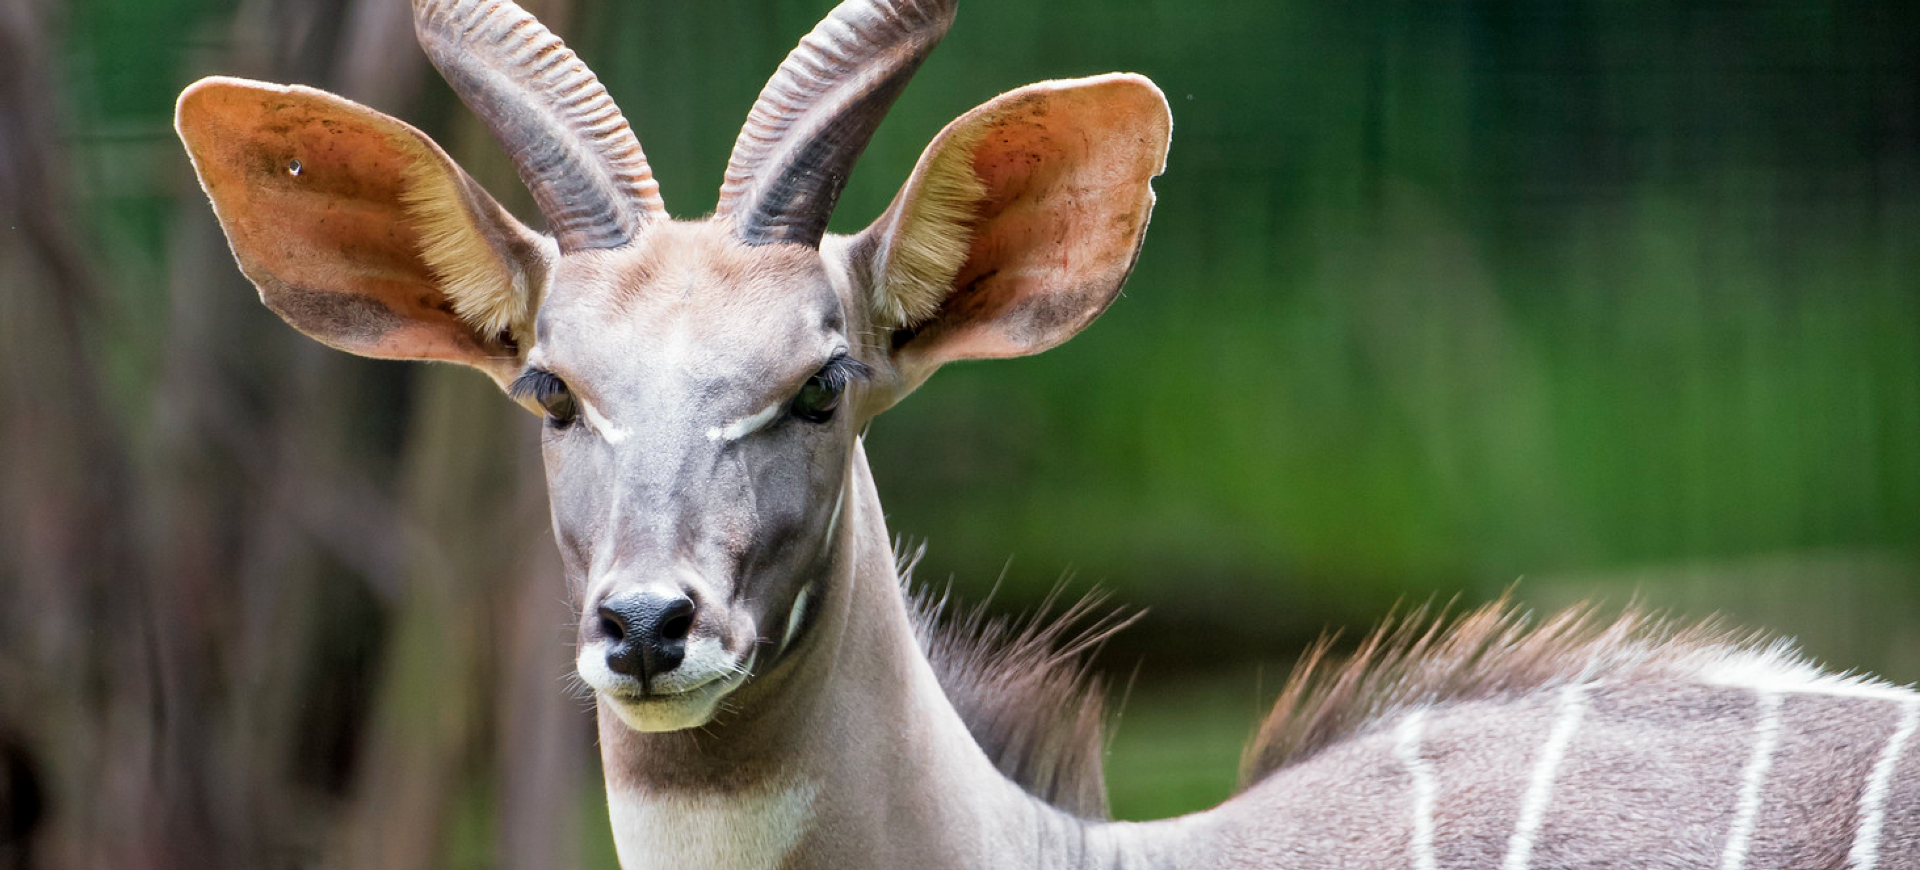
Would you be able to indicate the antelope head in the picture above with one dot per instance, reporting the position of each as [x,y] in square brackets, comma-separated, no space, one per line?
[702,383]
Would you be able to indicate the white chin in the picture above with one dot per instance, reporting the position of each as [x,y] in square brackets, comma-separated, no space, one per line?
[668,712]
[713,673]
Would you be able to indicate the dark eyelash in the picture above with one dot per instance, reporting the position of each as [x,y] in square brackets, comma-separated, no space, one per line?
[843,370]
[534,383]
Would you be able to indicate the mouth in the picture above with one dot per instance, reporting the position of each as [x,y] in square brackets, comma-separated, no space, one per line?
[721,683]
[671,709]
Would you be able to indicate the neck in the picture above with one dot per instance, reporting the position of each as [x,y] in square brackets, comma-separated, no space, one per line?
[845,753]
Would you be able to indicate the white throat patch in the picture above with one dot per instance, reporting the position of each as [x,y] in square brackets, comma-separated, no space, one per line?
[751,829]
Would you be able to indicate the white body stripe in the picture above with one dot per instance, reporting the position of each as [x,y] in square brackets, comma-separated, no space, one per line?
[1406,747]
[1766,735]
[1572,707]
[1873,803]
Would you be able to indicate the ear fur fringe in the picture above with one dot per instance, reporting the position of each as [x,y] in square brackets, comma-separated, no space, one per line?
[933,237]
[487,293]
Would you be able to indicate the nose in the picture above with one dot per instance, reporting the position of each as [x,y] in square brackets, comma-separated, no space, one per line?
[646,632]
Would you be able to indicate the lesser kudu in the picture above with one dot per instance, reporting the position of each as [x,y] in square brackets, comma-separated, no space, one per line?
[766,694]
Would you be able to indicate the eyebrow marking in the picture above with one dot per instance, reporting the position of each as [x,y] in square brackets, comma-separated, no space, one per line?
[838,372]
[536,382]
[748,425]
[613,434]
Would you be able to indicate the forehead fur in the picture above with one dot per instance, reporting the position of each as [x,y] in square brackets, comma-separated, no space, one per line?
[699,264]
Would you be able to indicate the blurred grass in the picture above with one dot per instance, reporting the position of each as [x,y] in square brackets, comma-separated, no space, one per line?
[1175,747]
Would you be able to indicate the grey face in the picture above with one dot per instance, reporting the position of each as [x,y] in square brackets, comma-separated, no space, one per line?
[700,441]
[698,432]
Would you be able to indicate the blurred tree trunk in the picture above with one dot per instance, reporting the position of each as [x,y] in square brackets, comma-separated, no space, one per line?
[298,625]
[478,650]
[71,585]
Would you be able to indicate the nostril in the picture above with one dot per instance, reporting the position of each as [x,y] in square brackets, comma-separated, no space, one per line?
[612,626]
[676,626]
[646,631]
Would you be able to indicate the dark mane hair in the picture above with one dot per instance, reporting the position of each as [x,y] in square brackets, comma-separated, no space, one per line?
[1023,687]
[1493,651]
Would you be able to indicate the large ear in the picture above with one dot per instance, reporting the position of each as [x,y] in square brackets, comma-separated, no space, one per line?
[359,231]
[1020,222]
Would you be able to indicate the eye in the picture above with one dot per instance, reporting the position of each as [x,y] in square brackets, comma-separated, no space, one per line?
[820,396]
[547,390]
[559,405]
[815,403]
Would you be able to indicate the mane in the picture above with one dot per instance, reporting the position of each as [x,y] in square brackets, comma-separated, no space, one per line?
[1493,652]
[1023,687]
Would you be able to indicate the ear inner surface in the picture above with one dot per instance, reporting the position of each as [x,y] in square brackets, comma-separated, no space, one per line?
[1021,222]
[358,230]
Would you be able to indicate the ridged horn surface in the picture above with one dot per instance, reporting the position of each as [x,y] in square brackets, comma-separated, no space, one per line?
[567,139]
[817,113]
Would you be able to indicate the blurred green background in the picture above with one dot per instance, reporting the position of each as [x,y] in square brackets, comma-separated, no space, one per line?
[1586,299]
